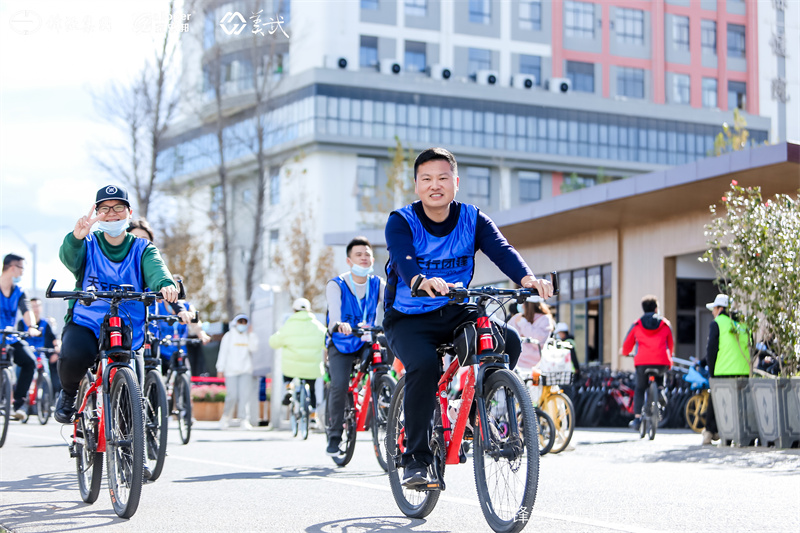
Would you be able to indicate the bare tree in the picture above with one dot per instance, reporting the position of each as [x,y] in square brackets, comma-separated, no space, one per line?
[398,190]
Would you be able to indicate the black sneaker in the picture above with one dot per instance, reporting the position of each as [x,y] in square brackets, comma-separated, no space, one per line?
[415,475]
[65,407]
[287,399]
[333,446]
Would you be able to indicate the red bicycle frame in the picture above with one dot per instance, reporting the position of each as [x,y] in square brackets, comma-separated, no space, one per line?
[362,404]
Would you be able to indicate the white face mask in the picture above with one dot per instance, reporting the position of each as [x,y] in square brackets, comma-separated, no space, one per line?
[362,271]
[242,328]
[116,228]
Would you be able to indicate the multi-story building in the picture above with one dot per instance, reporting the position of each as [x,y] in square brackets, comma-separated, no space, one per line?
[534,97]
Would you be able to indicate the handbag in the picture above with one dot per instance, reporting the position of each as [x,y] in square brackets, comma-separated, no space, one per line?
[556,357]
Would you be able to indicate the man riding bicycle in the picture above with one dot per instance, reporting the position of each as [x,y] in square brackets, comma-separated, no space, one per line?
[432,245]
[13,299]
[104,260]
[653,335]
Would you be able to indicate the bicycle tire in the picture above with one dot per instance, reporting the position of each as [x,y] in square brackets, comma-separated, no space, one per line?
[507,505]
[5,402]
[652,401]
[412,503]
[348,444]
[560,409]
[547,431]
[88,461]
[182,401]
[44,398]
[382,392]
[304,410]
[125,462]
[294,412]
[156,422]
[694,417]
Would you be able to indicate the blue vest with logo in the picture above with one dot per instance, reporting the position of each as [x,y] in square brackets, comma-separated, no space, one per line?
[176,331]
[451,257]
[106,275]
[8,311]
[353,312]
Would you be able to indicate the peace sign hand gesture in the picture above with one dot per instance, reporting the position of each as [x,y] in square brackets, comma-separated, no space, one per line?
[84,224]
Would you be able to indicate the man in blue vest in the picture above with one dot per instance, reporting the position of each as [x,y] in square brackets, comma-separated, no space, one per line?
[104,259]
[432,245]
[353,299]
[13,299]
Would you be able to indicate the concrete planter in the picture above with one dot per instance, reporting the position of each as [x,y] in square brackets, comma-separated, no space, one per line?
[734,411]
[209,411]
[773,402]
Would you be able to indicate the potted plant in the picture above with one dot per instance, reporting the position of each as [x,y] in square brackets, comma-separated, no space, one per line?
[208,402]
[755,250]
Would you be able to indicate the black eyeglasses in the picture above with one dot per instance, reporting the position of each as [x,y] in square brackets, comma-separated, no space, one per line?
[119,208]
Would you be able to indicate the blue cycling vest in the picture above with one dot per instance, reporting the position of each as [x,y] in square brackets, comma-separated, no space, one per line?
[106,275]
[176,330]
[8,311]
[353,312]
[451,257]
[38,342]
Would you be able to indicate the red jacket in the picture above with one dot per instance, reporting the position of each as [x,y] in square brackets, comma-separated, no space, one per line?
[653,335]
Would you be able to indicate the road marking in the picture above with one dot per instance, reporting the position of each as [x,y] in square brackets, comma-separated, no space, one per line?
[627,528]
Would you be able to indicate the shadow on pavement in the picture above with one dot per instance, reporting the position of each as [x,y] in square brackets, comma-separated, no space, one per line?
[777,462]
[43,483]
[372,524]
[66,516]
[278,473]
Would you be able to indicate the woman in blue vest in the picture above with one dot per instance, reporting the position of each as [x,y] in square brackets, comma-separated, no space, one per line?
[432,245]
[104,259]
[353,299]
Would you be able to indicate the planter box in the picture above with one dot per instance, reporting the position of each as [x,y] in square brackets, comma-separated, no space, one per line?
[733,409]
[210,411]
[772,399]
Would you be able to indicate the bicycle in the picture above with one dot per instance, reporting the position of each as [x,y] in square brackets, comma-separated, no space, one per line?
[367,401]
[7,380]
[110,416]
[697,404]
[179,385]
[40,395]
[505,423]
[299,407]
[654,406]
[156,408]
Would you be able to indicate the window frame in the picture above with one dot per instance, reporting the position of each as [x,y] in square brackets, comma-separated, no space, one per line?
[629,26]
[627,81]
[708,35]
[576,15]
[530,15]
[737,41]
[706,91]
[480,12]
[571,73]
[681,33]
[680,88]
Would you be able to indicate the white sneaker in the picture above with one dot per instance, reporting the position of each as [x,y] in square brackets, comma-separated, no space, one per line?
[223,423]
[20,414]
[707,435]
[246,425]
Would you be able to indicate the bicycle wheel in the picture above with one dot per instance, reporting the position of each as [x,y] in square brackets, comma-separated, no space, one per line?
[88,460]
[348,444]
[44,398]
[694,417]
[156,421]
[507,466]
[547,431]
[182,398]
[125,443]
[304,410]
[381,399]
[294,412]
[652,402]
[559,407]
[5,403]
[412,503]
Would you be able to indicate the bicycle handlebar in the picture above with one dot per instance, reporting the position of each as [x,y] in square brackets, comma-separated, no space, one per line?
[461,293]
[11,331]
[361,331]
[120,294]
[169,341]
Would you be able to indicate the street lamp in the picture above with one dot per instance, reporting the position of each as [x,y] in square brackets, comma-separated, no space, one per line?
[31,247]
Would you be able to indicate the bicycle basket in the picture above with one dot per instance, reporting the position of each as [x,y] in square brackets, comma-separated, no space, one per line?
[556,378]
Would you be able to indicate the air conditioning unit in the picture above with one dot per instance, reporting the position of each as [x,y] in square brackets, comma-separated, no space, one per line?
[560,85]
[440,72]
[487,77]
[523,81]
[391,66]
[336,62]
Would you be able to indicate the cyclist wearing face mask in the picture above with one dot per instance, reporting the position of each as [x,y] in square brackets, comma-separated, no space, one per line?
[104,260]
[13,299]
[353,299]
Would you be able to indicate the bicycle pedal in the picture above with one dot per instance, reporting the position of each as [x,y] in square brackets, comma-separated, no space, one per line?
[72,452]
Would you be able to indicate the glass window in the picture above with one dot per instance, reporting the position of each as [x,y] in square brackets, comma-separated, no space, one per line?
[579,19]
[630,82]
[369,4]
[578,284]
[479,59]
[736,45]
[565,286]
[274,238]
[366,180]
[478,185]
[630,26]
[593,282]
[480,11]
[530,15]
[368,53]
[416,8]
[681,84]
[275,186]
[680,33]
[530,186]
[415,60]
[709,92]
[607,280]
[531,65]
[737,94]
[708,36]
[581,75]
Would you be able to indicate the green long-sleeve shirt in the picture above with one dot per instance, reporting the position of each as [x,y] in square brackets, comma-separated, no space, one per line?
[73,256]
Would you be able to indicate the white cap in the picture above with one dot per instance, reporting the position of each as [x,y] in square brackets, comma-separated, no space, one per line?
[239,317]
[301,304]
[561,326]
[720,301]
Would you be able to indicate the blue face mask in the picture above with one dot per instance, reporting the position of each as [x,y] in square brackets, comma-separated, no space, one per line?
[358,270]
[242,328]
[115,229]
[16,279]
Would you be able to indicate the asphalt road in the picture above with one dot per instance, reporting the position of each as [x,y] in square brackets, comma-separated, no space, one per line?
[263,480]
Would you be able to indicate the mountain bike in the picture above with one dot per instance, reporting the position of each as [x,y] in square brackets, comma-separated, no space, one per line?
[654,406]
[367,400]
[299,407]
[505,435]
[697,404]
[7,380]
[179,385]
[40,395]
[110,417]
[156,408]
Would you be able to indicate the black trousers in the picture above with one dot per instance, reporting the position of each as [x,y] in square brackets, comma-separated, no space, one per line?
[340,365]
[25,358]
[414,339]
[196,360]
[79,350]
[642,382]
